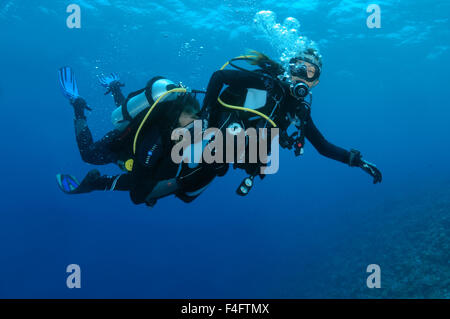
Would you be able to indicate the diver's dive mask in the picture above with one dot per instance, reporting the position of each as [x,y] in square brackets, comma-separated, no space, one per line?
[304,68]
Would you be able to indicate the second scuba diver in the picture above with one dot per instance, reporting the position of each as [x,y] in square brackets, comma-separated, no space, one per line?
[277,96]
[141,150]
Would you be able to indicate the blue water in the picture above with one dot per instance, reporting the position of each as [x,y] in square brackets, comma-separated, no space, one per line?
[307,232]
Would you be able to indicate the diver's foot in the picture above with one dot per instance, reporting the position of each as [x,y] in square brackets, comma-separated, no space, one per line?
[151,203]
[70,185]
[79,105]
[68,83]
[110,82]
[89,183]
[67,183]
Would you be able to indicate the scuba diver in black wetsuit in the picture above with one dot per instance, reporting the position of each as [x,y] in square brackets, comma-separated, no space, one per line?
[140,144]
[275,96]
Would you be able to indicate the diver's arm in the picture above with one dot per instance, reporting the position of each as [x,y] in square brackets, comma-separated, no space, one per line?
[352,158]
[324,147]
[229,77]
[97,153]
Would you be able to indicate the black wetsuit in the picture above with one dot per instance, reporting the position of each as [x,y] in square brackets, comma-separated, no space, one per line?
[110,150]
[239,81]
[149,169]
[152,160]
[100,152]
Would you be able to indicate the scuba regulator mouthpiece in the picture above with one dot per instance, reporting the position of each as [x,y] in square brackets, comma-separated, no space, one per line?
[299,90]
[305,68]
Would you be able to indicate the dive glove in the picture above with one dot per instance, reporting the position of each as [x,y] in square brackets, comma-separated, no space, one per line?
[369,168]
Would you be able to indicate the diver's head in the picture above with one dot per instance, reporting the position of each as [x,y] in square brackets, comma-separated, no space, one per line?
[190,109]
[304,69]
[182,108]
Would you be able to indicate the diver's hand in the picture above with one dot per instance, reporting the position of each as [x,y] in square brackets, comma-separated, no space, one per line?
[356,160]
[372,170]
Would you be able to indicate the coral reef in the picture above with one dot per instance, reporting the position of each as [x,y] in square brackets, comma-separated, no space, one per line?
[409,238]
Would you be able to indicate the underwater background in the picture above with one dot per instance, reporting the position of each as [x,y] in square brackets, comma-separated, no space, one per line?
[310,231]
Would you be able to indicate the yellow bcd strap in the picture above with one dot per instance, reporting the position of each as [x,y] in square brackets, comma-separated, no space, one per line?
[129,163]
[177,90]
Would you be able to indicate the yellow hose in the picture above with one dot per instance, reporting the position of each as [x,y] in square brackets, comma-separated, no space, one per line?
[177,90]
[241,57]
[240,108]
[182,90]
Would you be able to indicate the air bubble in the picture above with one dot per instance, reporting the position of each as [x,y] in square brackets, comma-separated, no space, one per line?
[265,18]
[284,37]
[291,23]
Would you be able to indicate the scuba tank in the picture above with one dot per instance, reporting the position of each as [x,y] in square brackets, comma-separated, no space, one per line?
[128,118]
[141,100]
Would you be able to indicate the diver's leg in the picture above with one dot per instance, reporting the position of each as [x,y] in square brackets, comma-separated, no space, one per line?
[97,153]
[94,181]
[117,94]
[94,153]
[112,84]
